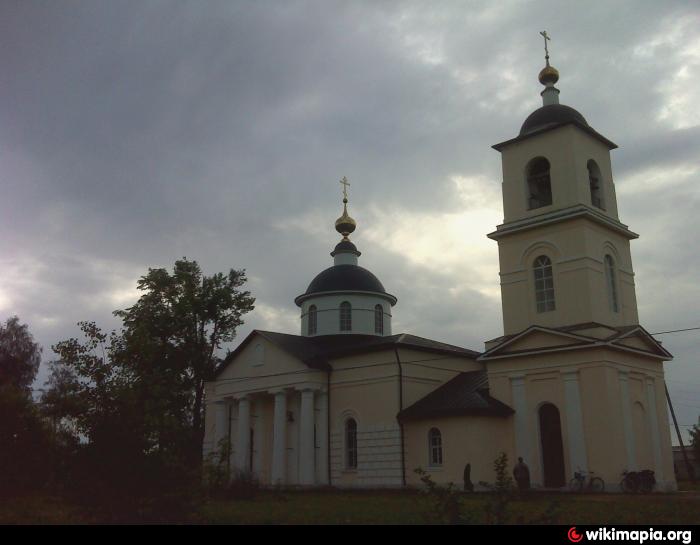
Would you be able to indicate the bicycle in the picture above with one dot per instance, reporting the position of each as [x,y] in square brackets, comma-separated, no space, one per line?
[585,482]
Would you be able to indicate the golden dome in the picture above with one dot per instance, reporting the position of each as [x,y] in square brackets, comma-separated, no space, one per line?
[549,74]
[345,224]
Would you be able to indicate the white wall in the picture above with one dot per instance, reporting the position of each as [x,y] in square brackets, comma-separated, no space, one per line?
[328,313]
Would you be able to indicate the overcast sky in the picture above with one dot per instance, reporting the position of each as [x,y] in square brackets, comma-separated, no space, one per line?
[133,133]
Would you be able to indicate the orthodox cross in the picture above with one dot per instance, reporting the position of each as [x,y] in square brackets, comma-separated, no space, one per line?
[546,51]
[345,183]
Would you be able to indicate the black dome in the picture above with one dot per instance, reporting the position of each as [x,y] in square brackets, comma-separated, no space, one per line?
[345,278]
[551,115]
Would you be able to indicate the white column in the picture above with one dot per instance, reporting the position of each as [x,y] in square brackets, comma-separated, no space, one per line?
[306,438]
[243,443]
[322,433]
[279,438]
[627,426]
[574,422]
[654,428]
[523,446]
[220,423]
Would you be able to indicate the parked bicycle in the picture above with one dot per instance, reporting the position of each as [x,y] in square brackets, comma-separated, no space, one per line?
[586,482]
[638,481]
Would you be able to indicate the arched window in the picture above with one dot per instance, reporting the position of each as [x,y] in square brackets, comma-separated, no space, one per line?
[379,320]
[539,186]
[596,183]
[345,316]
[311,329]
[544,284]
[610,280]
[435,446]
[350,444]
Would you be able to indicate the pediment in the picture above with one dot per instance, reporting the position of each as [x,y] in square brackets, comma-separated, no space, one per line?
[262,353]
[541,339]
[535,339]
[640,339]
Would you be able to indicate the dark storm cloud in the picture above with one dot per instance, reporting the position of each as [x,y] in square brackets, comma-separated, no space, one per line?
[133,133]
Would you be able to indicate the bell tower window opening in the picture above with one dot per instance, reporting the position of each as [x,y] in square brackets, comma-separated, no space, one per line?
[539,186]
[595,182]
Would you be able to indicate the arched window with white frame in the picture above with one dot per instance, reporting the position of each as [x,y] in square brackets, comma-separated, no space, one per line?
[345,316]
[544,284]
[595,181]
[312,321]
[610,280]
[350,444]
[539,184]
[435,447]
[378,320]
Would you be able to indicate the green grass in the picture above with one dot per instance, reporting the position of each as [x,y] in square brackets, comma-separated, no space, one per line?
[41,509]
[389,507]
[380,507]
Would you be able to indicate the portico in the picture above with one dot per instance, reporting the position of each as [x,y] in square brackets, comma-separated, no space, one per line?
[279,434]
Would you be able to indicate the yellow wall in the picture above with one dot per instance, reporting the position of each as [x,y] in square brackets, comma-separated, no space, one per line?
[577,249]
[601,407]
[474,440]
[568,150]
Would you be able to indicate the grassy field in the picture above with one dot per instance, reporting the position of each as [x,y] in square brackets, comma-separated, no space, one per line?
[412,508]
[383,507]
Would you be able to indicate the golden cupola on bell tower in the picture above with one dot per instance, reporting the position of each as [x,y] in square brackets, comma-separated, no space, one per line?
[564,254]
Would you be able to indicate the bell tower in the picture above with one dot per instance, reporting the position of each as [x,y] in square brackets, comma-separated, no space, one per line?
[564,254]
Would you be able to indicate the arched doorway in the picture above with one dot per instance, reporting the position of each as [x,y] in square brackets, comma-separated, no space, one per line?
[552,449]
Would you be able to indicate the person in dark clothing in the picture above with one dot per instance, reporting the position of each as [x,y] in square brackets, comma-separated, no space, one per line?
[468,485]
[521,473]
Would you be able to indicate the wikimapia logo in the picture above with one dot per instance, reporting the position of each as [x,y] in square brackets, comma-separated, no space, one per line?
[638,536]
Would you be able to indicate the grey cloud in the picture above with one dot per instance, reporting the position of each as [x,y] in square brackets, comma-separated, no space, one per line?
[135,133]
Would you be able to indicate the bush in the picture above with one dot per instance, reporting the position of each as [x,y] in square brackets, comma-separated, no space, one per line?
[446,500]
[244,485]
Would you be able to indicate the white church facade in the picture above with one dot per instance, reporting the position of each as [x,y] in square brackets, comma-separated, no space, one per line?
[573,383]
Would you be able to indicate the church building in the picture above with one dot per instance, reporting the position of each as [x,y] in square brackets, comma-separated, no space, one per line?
[574,383]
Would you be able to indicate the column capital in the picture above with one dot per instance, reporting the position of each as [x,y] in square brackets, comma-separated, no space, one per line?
[241,397]
[517,379]
[623,374]
[307,387]
[569,374]
[276,391]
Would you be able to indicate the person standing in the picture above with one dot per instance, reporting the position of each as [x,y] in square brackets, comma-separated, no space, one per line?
[468,485]
[521,473]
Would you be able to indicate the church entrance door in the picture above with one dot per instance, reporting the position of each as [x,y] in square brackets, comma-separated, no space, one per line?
[552,449]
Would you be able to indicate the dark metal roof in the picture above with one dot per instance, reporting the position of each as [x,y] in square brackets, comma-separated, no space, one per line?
[316,351]
[344,278]
[345,246]
[617,334]
[551,115]
[465,395]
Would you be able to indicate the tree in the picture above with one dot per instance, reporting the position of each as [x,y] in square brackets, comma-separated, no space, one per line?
[695,440]
[19,356]
[24,438]
[179,323]
[137,395]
